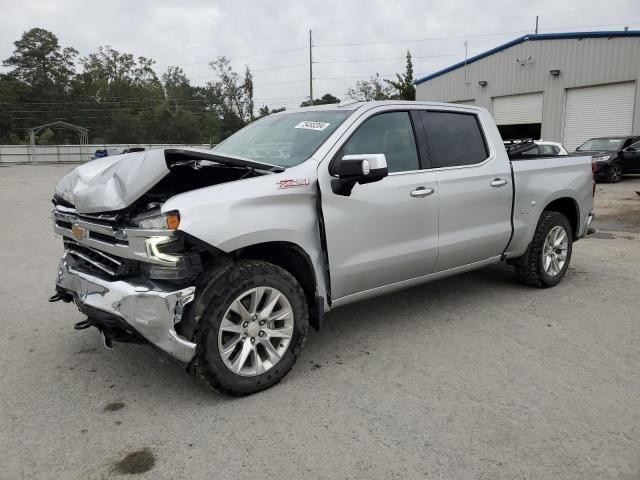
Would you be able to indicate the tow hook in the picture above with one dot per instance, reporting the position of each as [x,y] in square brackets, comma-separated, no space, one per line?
[106,340]
[65,297]
[82,325]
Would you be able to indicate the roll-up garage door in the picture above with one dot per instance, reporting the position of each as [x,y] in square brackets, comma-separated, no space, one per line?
[597,112]
[518,109]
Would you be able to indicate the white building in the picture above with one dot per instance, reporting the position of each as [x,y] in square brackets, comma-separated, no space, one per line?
[565,87]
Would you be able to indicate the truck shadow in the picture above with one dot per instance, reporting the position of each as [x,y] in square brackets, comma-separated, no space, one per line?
[144,371]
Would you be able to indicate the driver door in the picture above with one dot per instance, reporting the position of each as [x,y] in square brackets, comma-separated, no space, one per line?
[631,157]
[386,232]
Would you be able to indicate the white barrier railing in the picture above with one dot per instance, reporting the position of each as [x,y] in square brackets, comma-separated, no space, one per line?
[68,153]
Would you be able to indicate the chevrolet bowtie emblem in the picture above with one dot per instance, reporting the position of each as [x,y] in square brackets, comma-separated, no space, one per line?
[78,232]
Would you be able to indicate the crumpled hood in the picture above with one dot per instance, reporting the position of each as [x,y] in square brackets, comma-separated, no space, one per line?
[112,183]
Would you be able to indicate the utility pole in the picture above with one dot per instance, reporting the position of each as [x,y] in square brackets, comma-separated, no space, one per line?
[536,24]
[310,69]
[466,52]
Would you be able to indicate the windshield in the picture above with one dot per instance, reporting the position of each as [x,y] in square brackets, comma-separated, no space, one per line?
[285,140]
[606,144]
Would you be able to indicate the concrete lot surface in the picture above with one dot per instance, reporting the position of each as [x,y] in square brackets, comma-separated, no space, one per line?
[473,377]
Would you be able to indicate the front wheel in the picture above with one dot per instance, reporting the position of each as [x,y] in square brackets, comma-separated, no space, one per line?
[614,175]
[253,329]
[550,252]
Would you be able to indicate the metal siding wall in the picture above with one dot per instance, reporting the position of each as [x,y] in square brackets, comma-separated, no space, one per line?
[590,61]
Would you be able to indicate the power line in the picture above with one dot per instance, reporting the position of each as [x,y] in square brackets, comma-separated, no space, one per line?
[392,42]
[276,52]
[418,40]
[361,60]
[279,68]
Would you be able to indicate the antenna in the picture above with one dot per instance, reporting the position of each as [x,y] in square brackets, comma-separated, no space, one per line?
[536,24]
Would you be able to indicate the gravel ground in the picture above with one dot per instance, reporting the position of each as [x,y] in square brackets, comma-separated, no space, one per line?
[472,377]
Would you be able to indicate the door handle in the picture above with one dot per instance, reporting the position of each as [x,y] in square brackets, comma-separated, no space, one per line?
[422,192]
[498,182]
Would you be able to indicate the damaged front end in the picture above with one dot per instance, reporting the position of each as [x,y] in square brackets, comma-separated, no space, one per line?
[126,264]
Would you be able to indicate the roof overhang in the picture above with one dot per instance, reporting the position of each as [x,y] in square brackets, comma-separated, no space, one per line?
[527,38]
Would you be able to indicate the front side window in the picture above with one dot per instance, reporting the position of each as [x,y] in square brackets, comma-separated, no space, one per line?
[285,140]
[389,133]
[454,139]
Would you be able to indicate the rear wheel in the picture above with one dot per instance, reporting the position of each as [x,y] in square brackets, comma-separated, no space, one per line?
[614,175]
[252,331]
[550,253]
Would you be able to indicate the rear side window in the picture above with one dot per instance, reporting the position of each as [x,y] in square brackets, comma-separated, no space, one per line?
[454,139]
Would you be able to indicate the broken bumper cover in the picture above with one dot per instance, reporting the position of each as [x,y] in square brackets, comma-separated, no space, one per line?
[148,307]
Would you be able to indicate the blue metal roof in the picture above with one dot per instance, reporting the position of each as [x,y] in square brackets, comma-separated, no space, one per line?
[531,37]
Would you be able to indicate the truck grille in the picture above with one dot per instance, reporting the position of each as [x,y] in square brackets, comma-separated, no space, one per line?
[94,261]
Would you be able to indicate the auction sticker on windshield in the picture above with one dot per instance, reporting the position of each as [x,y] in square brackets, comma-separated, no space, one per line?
[312,125]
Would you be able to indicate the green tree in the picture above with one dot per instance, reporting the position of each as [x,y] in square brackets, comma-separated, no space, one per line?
[176,84]
[326,99]
[109,73]
[247,88]
[368,90]
[264,111]
[236,96]
[403,86]
[41,63]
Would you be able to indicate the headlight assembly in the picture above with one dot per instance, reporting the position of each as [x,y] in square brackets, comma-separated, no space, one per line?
[153,247]
[158,221]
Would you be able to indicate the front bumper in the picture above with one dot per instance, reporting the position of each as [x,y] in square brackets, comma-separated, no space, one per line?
[150,308]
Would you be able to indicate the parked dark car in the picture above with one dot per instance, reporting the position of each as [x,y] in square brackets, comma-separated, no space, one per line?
[631,158]
[611,156]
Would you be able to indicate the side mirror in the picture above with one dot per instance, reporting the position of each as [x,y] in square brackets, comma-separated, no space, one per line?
[363,168]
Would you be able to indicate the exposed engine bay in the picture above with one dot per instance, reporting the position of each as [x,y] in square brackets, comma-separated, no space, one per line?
[139,240]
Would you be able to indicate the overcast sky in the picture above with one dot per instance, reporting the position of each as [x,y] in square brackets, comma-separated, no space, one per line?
[352,39]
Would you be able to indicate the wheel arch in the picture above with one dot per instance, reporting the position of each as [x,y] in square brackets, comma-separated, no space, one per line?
[569,208]
[295,260]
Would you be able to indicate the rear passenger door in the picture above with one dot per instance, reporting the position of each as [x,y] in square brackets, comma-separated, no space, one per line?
[474,186]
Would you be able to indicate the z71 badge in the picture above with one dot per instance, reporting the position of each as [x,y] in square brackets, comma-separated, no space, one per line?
[290,183]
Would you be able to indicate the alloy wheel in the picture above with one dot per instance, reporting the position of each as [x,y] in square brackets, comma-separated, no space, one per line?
[255,331]
[555,250]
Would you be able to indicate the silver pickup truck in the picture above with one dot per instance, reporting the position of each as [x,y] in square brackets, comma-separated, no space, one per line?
[223,258]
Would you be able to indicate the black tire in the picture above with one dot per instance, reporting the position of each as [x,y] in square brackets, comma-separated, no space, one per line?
[532,272]
[615,172]
[238,278]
